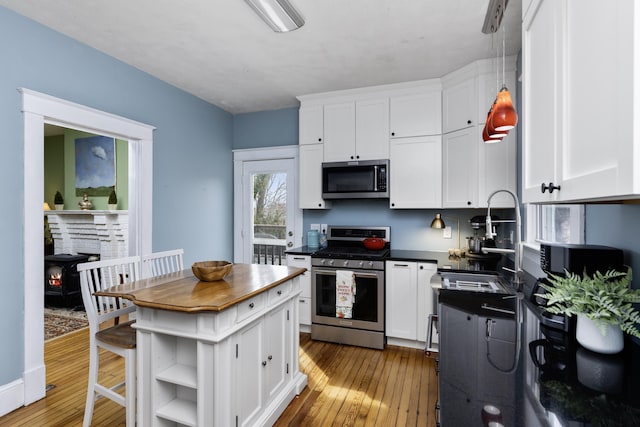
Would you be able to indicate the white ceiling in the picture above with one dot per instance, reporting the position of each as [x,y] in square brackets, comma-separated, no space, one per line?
[220,51]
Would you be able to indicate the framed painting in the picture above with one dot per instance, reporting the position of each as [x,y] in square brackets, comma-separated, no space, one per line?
[95,165]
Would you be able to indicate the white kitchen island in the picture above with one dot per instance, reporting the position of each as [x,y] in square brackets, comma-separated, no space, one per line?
[219,353]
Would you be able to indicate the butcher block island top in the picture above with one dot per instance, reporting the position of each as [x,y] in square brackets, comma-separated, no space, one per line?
[182,291]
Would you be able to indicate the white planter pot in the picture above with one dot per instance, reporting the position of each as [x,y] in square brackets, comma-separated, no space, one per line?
[112,207]
[59,207]
[590,336]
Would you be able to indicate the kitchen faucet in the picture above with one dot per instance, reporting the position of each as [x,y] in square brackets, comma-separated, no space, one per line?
[517,247]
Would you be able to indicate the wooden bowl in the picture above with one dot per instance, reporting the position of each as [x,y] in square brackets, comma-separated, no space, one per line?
[373,243]
[210,271]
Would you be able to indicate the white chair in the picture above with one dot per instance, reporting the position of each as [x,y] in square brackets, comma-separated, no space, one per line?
[119,337]
[159,263]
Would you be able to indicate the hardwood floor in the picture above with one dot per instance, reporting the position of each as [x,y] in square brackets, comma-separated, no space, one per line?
[348,386]
[353,386]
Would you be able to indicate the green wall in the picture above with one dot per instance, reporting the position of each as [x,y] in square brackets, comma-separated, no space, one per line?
[60,173]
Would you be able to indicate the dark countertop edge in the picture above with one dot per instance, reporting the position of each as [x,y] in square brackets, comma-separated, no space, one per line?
[303,250]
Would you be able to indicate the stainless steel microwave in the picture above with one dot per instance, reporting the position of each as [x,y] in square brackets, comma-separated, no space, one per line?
[365,179]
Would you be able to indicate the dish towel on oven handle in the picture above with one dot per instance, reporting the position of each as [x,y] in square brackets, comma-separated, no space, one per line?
[345,293]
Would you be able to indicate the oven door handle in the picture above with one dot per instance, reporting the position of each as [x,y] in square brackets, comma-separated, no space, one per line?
[333,273]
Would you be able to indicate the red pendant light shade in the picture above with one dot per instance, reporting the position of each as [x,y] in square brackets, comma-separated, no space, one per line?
[489,134]
[503,116]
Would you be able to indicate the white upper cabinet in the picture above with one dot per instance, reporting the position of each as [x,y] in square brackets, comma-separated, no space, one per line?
[311,124]
[460,168]
[541,86]
[415,172]
[459,105]
[310,176]
[471,169]
[417,113]
[356,130]
[580,108]
[372,129]
[339,131]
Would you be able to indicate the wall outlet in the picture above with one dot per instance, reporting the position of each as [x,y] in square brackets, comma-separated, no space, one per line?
[324,228]
[446,233]
[315,227]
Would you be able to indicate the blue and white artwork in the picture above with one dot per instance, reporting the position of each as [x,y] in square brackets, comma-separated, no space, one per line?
[95,166]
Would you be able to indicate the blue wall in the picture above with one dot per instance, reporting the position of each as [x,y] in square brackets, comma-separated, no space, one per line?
[266,129]
[193,191]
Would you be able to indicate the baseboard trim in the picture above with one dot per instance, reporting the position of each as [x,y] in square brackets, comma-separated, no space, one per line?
[35,384]
[11,396]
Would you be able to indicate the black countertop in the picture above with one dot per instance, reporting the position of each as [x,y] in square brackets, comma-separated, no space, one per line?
[443,259]
[557,382]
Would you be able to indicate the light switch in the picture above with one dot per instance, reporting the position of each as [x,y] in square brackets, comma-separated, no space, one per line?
[446,233]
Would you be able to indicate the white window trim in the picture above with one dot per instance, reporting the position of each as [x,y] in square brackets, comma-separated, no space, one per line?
[531,245]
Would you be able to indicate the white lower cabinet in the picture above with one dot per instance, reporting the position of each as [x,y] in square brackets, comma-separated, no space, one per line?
[262,364]
[304,300]
[409,301]
[234,367]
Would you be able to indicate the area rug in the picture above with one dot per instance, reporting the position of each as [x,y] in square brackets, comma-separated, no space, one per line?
[56,325]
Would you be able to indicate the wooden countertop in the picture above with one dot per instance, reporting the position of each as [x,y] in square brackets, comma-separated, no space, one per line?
[182,291]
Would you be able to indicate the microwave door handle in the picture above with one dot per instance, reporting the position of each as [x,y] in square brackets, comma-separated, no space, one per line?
[375,178]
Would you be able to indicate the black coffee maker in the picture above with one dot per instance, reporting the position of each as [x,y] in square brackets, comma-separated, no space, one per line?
[559,258]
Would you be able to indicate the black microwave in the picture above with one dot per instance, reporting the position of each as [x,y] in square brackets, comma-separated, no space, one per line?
[362,179]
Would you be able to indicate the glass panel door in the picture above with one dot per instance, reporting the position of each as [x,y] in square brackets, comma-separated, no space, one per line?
[270,213]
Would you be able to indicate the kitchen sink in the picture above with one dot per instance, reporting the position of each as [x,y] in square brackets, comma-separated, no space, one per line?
[475,282]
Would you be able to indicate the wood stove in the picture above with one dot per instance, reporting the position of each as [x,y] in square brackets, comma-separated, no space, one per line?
[61,279]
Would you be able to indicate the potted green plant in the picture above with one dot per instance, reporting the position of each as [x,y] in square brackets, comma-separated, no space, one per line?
[602,304]
[113,200]
[58,201]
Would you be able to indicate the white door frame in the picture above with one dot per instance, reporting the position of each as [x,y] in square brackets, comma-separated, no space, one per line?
[257,154]
[39,109]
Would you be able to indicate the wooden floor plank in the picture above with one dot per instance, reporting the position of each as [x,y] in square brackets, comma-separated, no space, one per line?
[348,386]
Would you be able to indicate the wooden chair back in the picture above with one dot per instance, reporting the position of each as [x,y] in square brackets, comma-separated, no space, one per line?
[102,275]
[159,263]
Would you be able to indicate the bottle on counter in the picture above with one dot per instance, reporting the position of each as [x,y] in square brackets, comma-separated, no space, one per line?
[313,239]
[323,239]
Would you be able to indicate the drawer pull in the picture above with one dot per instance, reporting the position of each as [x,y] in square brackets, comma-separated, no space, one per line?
[279,292]
[251,305]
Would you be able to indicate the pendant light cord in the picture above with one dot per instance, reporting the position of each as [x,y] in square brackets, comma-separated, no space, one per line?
[504,75]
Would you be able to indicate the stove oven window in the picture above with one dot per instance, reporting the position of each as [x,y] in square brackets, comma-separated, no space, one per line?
[366,302]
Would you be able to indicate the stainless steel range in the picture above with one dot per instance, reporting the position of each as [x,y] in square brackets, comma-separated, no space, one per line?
[347,285]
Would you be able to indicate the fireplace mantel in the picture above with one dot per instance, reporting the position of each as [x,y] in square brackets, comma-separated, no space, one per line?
[94,232]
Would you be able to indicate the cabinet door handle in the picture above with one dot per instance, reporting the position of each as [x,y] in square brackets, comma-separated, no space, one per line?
[393,133]
[279,292]
[270,357]
[264,363]
[549,187]
[251,305]
[468,122]
[401,265]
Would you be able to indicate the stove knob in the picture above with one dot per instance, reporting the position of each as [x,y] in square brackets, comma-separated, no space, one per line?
[323,261]
[370,263]
[361,263]
[345,263]
[330,262]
